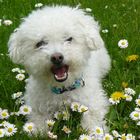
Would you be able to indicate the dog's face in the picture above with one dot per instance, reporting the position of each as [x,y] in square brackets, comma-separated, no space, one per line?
[55,43]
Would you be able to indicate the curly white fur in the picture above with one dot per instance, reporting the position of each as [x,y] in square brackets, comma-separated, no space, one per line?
[85,55]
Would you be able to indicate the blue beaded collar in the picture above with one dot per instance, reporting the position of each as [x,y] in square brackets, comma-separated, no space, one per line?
[60,90]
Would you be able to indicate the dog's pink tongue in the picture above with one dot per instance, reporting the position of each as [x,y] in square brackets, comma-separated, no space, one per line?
[60,72]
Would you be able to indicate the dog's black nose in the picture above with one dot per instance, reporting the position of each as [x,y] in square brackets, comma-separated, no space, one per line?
[57,58]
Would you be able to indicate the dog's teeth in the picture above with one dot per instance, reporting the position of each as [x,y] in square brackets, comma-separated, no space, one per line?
[61,78]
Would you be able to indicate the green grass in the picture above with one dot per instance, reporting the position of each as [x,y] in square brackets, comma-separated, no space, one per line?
[124,13]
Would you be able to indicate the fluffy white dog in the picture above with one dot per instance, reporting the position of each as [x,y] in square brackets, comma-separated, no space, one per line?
[63,52]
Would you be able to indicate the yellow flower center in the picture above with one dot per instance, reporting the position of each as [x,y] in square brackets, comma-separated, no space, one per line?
[83,109]
[25,109]
[76,107]
[123,43]
[107,138]
[4,114]
[117,95]
[10,130]
[30,127]
[98,131]
[85,139]
[139,102]
[123,137]
[136,115]
[0,132]
[50,124]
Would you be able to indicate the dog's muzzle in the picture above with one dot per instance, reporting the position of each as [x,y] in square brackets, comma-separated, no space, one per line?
[59,69]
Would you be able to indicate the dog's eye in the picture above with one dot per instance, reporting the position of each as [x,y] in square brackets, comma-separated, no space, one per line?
[41,43]
[69,39]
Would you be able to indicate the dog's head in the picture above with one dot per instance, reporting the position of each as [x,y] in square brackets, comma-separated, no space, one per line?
[55,42]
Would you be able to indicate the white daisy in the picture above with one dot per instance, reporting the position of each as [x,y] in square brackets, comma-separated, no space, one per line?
[15,69]
[123,43]
[75,106]
[38,5]
[138,102]
[20,76]
[21,71]
[138,123]
[114,101]
[54,137]
[51,135]
[25,110]
[107,137]
[58,115]
[5,123]
[29,127]
[129,91]
[98,131]
[20,101]
[66,115]
[137,109]
[105,31]
[66,129]
[114,25]
[17,95]
[7,22]
[10,130]
[4,114]
[135,115]
[50,123]
[106,6]
[88,10]
[82,109]
[2,133]
[115,134]
[85,137]
[130,137]
[128,98]
[123,137]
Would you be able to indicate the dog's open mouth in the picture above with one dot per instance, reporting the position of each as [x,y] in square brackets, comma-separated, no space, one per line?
[60,72]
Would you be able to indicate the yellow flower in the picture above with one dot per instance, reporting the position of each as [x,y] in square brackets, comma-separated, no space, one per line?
[124,84]
[123,137]
[117,95]
[131,58]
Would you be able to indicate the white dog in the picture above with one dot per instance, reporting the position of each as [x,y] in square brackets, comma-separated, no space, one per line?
[63,52]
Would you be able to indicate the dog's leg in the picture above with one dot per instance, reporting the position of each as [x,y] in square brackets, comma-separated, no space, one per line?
[40,123]
[94,118]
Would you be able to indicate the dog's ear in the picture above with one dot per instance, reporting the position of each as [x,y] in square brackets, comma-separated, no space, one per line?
[94,40]
[14,48]
[91,30]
